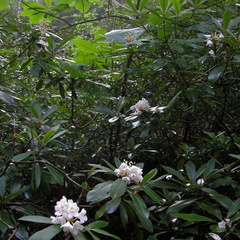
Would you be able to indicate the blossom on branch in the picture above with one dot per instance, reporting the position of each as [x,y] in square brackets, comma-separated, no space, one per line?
[129,173]
[67,215]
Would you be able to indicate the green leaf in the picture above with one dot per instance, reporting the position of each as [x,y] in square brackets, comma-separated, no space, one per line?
[100,212]
[191,170]
[82,5]
[47,233]
[48,2]
[36,18]
[178,205]
[56,136]
[131,5]
[167,185]
[164,4]
[146,223]
[226,19]
[61,89]
[145,131]
[36,219]
[143,3]
[112,205]
[234,208]
[234,22]
[140,205]
[124,215]
[103,232]
[49,111]
[118,188]
[3,4]
[13,195]
[80,236]
[96,225]
[176,5]
[174,172]
[57,176]
[32,5]
[21,156]
[192,94]
[36,178]
[37,110]
[152,194]
[215,74]
[3,182]
[237,156]
[223,200]
[210,209]
[99,192]
[210,167]
[193,217]
[104,110]
[147,177]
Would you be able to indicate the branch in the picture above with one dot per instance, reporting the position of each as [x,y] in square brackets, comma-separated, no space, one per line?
[19,55]
[53,166]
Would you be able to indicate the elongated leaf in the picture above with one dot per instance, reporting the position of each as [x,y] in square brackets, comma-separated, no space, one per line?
[147,177]
[191,170]
[47,233]
[100,191]
[152,194]
[140,205]
[106,233]
[57,176]
[36,178]
[215,74]
[48,135]
[164,4]
[56,136]
[3,4]
[82,5]
[36,219]
[167,185]
[100,212]
[21,156]
[104,169]
[118,188]
[193,217]
[3,182]
[80,236]
[234,208]
[50,111]
[124,215]
[146,223]
[226,18]
[48,2]
[210,209]
[104,110]
[210,167]
[176,5]
[143,3]
[174,172]
[131,5]
[112,205]
[96,225]
[223,200]
[178,205]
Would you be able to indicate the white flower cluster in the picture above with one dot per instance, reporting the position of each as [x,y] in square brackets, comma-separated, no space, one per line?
[140,107]
[213,39]
[68,216]
[223,223]
[129,172]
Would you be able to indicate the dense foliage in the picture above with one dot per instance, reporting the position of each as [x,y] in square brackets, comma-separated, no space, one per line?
[129,108]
